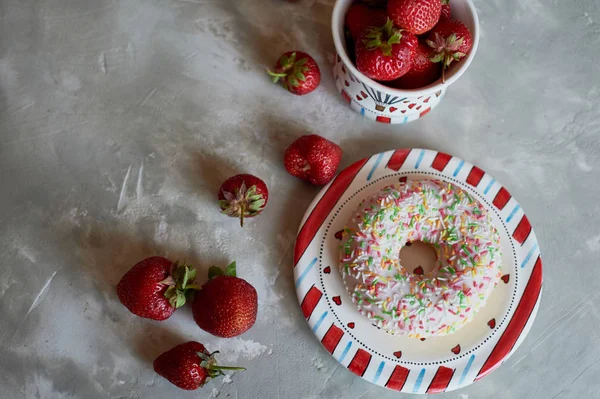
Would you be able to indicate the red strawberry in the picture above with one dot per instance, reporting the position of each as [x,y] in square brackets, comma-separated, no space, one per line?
[360,17]
[415,16]
[298,72]
[423,72]
[313,158]
[385,53]
[243,196]
[450,41]
[446,12]
[155,287]
[189,366]
[226,305]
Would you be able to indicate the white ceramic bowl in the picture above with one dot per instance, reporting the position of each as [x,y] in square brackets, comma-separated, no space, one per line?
[385,104]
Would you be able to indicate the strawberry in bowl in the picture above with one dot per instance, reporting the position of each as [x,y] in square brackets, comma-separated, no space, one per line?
[406,85]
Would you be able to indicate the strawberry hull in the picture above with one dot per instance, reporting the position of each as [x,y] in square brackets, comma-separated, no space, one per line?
[384,104]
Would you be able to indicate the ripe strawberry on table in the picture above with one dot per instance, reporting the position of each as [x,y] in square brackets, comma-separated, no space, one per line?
[423,72]
[243,196]
[415,16]
[360,17]
[155,287]
[313,158]
[446,12]
[297,71]
[450,40]
[226,305]
[189,366]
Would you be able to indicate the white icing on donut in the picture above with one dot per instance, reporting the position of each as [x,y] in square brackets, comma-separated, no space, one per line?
[468,251]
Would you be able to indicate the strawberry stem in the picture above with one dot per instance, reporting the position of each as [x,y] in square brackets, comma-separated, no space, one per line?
[226,368]
[243,210]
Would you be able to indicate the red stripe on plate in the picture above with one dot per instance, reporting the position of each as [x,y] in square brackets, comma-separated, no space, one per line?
[517,323]
[360,362]
[398,378]
[522,231]
[346,96]
[383,119]
[332,338]
[310,301]
[324,206]
[475,176]
[441,379]
[440,161]
[397,159]
[501,198]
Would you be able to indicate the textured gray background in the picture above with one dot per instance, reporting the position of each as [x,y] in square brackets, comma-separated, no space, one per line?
[119,120]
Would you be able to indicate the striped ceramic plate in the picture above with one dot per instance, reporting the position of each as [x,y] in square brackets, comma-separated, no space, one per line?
[407,364]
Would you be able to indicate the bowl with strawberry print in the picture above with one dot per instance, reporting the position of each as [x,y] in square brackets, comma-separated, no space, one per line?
[391,75]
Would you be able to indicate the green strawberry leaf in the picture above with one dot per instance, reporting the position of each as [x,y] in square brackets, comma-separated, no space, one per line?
[214,271]
[300,76]
[231,270]
[301,62]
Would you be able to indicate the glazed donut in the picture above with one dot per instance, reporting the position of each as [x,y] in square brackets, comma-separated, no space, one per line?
[454,224]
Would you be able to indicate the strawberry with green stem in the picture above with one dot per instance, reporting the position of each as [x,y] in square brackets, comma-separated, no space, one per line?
[385,53]
[189,365]
[297,71]
[450,40]
[155,287]
[243,196]
[225,306]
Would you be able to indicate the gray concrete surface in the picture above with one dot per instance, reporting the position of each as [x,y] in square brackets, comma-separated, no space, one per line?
[119,120]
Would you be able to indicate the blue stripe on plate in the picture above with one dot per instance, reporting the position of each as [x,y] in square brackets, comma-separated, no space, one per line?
[362,111]
[375,165]
[466,370]
[419,381]
[458,168]
[405,119]
[319,322]
[345,352]
[378,372]
[490,184]
[421,155]
[512,214]
[305,272]
[529,255]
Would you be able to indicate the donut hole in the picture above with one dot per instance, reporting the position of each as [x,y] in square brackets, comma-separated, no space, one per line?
[418,257]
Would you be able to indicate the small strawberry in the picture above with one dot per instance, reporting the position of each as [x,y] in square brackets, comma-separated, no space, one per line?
[415,16]
[313,158]
[298,72]
[423,72]
[450,41]
[385,53]
[360,17]
[446,12]
[189,366]
[155,287]
[243,196]
[226,305]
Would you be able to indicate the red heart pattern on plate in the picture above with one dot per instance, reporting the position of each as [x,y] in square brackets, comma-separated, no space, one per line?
[456,350]
[426,100]
[403,179]
[398,354]
[351,324]
[339,234]
[346,83]
[358,98]
[337,300]
[327,270]
[392,109]
[505,278]
[363,94]
[411,106]
[492,323]
[422,339]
